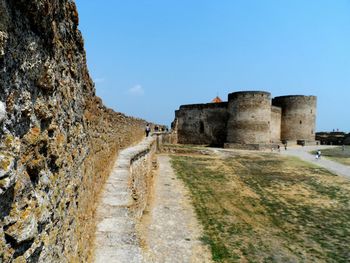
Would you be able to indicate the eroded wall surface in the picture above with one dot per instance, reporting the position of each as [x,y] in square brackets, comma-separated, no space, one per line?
[57,140]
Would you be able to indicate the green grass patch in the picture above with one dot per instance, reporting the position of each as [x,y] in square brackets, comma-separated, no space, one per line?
[268,208]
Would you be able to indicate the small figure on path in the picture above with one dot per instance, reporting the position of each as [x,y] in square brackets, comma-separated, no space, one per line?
[278,148]
[148,129]
[285,146]
[318,154]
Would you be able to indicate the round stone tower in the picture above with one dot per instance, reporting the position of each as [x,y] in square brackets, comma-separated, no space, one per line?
[298,117]
[249,117]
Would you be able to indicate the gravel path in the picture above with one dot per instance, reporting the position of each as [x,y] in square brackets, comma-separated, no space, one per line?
[303,153]
[169,228]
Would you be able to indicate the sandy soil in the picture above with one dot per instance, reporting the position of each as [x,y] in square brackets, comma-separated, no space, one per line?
[169,230]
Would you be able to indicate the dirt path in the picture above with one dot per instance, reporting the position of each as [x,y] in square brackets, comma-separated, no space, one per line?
[303,153]
[169,229]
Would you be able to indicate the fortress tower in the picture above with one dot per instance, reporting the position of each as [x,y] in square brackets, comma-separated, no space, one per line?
[249,117]
[249,120]
[298,119]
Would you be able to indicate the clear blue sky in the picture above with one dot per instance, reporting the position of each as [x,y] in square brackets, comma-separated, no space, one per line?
[148,57]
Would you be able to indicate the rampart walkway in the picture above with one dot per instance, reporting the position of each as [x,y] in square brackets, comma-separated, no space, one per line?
[168,231]
[116,238]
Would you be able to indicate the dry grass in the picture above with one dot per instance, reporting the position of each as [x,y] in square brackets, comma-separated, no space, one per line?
[260,207]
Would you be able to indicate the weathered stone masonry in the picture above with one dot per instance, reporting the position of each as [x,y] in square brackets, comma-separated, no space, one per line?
[123,202]
[202,123]
[249,118]
[57,140]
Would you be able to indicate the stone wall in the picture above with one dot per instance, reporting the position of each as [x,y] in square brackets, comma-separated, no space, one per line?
[202,124]
[170,137]
[298,117]
[141,164]
[250,117]
[275,124]
[123,201]
[57,140]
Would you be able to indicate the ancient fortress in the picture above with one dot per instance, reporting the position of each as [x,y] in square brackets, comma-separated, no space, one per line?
[58,142]
[249,119]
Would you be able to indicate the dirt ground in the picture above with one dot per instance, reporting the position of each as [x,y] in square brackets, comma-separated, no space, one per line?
[267,207]
[169,229]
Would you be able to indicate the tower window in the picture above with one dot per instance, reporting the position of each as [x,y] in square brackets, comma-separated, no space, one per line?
[301,122]
[201,127]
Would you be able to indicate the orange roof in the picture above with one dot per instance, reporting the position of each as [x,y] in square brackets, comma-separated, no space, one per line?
[216,100]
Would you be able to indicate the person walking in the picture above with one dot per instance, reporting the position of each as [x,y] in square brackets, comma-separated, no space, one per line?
[147,129]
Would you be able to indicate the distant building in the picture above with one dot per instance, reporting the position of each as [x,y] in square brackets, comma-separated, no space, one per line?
[249,119]
[333,138]
[216,100]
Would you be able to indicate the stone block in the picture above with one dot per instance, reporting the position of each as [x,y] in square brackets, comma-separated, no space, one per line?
[120,225]
[125,254]
[118,199]
[2,111]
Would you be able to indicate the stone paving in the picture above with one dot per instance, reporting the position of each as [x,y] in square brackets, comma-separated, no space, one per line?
[116,238]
